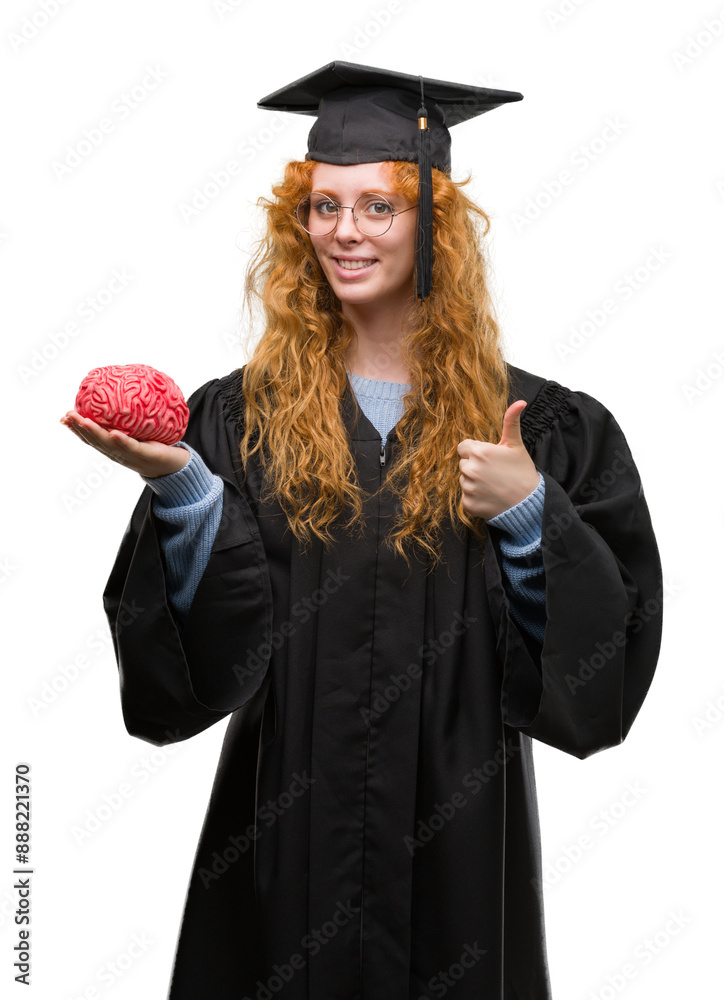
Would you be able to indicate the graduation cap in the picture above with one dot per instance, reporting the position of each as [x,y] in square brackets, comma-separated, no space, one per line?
[369,115]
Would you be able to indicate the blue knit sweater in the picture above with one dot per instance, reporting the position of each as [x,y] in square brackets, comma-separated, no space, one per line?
[189,504]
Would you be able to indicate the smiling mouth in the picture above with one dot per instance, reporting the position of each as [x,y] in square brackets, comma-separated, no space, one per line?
[353,265]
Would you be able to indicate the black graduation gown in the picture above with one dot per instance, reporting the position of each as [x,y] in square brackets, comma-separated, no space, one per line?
[373,832]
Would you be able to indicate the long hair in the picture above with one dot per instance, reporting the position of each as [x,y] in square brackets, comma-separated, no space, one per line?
[296,375]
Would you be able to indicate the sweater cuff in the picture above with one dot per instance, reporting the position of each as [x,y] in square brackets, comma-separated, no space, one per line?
[185,486]
[524,521]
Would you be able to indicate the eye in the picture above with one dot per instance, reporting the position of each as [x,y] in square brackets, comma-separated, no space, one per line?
[323,206]
[375,206]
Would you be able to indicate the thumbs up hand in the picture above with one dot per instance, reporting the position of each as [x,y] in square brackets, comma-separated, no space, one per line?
[495,477]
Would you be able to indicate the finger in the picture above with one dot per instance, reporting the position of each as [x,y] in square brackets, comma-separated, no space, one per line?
[128,450]
[512,435]
[105,439]
[82,423]
[465,447]
[92,440]
[111,443]
[74,430]
[80,432]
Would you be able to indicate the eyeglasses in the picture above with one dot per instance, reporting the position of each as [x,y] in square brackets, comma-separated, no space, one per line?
[318,214]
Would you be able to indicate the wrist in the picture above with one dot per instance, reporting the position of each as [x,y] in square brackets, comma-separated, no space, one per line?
[173,463]
[520,518]
[514,500]
[186,486]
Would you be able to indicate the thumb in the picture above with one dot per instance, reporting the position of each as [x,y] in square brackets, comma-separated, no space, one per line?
[511,435]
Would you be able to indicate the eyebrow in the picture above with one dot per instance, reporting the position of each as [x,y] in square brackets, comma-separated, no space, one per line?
[333,194]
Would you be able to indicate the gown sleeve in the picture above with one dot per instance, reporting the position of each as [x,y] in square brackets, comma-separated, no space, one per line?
[519,532]
[581,687]
[179,677]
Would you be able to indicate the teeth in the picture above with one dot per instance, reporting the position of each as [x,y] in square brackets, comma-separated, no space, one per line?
[354,265]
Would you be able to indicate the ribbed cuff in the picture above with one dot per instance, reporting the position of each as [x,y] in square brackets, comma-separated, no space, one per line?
[185,486]
[524,521]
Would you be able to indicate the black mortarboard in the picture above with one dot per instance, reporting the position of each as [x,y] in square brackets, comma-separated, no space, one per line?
[368,115]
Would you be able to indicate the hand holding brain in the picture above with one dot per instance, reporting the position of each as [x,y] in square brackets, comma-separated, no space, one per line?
[134,415]
[136,399]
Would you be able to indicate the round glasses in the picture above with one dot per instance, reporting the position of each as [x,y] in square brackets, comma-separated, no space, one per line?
[318,214]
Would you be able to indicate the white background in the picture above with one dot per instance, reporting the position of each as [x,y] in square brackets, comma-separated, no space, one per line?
[657,185]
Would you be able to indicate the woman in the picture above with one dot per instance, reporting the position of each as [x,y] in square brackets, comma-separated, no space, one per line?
[395,559]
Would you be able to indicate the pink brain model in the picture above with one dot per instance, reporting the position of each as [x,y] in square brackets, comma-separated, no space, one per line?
[136,399]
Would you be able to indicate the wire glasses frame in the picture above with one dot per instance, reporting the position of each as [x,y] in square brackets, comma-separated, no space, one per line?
[375,223]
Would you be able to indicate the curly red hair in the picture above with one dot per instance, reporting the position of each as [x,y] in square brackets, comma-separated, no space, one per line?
[296,374]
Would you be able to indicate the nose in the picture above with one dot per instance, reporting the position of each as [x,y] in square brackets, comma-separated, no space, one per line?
[346,228]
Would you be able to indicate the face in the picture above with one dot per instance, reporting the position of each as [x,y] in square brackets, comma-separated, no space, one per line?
[383,274]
